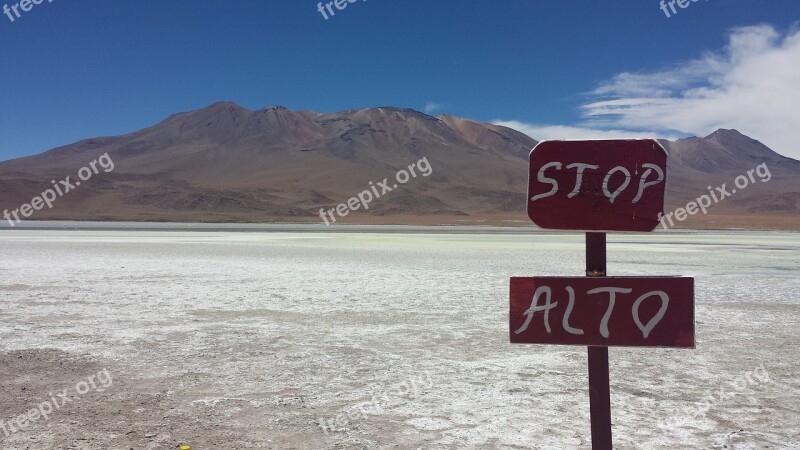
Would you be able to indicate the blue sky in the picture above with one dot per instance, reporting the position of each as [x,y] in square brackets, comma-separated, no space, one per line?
[554,69]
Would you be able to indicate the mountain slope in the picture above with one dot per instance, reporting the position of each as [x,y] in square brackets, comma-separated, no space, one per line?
[228,163]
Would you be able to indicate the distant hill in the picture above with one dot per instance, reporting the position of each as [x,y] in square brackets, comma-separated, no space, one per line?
[227,163]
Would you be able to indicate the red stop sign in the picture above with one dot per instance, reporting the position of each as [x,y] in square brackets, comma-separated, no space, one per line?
[613,185]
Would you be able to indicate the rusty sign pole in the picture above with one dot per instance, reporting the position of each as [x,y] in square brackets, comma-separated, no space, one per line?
[599,389]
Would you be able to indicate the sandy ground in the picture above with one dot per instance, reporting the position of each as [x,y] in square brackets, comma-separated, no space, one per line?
[366,340]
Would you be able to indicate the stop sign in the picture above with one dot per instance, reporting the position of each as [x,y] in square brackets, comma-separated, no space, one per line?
[610,185]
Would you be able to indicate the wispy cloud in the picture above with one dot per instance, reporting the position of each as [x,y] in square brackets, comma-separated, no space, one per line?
[542,132]
[752,84]
[432,107]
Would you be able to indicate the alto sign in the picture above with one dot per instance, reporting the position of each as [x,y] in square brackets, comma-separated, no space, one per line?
[603,311]
[616,185]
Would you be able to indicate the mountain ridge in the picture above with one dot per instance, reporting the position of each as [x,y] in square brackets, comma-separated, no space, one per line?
[224,162]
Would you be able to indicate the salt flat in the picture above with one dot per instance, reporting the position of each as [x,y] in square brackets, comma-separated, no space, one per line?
[247,339]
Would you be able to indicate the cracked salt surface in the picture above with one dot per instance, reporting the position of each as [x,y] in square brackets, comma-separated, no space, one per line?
[260,336]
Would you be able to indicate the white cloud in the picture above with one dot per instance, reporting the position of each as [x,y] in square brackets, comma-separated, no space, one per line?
[432,107]
[752,85]
[564,132]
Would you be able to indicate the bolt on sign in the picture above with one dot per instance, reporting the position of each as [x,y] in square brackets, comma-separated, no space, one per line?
[597,185]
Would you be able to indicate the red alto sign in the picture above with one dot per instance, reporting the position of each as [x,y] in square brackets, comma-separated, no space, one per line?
[615,185]
[603,311]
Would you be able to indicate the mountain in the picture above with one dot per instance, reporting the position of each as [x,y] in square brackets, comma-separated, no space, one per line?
[227,163]
[771,198]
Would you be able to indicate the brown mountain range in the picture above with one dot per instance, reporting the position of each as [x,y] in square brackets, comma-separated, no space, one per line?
[226,163]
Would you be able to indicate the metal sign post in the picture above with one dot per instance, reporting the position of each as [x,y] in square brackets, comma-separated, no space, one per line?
[599,379]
